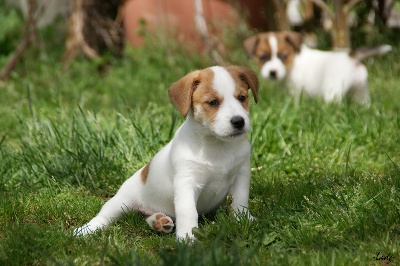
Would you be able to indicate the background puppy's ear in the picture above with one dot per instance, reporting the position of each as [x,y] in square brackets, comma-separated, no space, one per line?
[181,92]
[248,76]
[295,39]
[250,45]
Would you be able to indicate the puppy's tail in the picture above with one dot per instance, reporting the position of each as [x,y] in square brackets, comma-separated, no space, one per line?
[365,52]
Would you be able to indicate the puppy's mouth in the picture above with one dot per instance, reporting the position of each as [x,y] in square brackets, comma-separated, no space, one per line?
[234,135]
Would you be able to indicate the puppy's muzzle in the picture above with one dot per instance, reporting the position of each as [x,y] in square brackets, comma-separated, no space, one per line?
[237,122]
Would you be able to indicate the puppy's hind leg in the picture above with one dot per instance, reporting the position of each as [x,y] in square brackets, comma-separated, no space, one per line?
[125,200]
[111,211]
[361,94]
[359,90]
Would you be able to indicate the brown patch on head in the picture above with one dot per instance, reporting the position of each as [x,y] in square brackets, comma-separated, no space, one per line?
[181,91]
[245,79]
[260,48]
[250,44]
[145,173]
[205,100]
[194,91]
[288,46]
[293,38]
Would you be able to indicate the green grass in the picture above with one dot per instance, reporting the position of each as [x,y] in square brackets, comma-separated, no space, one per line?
[325,180]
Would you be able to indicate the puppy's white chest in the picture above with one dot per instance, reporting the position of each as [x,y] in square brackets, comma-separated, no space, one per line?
[213,188]
[214,181]
[215,175]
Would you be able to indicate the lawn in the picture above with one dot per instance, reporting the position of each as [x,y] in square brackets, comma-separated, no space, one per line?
[325,177]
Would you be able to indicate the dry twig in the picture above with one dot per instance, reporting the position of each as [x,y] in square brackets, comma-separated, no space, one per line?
[76,41]
[338,17]
[211,43]
[34,14]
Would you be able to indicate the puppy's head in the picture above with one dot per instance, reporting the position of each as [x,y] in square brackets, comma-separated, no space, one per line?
[217,98]
[274,52]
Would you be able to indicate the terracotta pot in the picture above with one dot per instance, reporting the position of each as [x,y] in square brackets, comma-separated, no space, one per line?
[177,17]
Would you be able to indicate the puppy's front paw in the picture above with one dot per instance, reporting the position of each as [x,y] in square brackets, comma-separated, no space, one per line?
[84,230]
[251,217]
[160,222]
[185,238]
[240,215]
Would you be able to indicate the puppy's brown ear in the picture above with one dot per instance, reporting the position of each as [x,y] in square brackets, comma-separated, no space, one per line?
[295,39]
[250,45]
[248,76]
[181,91]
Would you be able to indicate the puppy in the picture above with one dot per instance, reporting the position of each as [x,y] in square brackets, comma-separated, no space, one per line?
[207,159]
[330,75]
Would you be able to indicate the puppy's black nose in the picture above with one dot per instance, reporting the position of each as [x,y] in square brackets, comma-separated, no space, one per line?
[237,122]
[273,74]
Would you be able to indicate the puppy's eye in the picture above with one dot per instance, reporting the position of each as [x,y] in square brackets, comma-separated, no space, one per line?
[282,56]
[213,103]
[264,57]
[241,98]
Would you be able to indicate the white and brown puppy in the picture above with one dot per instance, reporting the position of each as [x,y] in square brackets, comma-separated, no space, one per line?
[208,158]
[331,75]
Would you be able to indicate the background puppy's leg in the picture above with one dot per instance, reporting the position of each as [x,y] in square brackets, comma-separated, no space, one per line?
[360,92]
[361,95]
[332,97]
[359,88]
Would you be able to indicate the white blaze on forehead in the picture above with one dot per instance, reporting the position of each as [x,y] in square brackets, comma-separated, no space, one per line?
[273,42]
[223,82]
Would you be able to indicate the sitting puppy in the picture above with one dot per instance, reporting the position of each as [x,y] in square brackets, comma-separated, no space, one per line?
[330,75]
[208,158]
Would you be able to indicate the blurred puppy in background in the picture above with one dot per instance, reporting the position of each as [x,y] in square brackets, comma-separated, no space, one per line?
[331,75]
